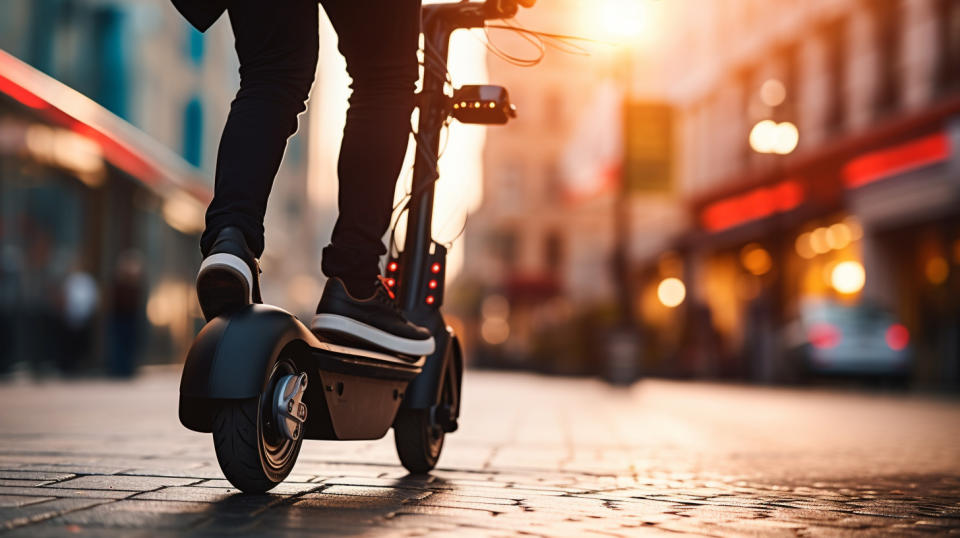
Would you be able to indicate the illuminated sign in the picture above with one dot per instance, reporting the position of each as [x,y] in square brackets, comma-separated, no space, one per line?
[752,205]
[894,160]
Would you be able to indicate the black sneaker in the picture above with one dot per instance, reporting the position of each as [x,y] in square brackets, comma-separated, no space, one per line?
[375,321]
[229,276]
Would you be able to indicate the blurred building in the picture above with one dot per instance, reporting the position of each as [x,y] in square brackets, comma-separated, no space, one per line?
[812,164]
[861,208]
[532,249]
[144,64]
[98,224]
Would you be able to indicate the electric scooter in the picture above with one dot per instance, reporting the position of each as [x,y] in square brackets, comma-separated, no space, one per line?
[261,382]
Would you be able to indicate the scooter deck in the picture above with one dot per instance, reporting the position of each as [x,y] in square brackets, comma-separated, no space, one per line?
[353,393]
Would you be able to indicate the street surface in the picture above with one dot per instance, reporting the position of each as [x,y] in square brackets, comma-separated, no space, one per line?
[534,456]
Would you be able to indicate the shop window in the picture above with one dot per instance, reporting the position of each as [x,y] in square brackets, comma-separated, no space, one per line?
[193,131]
[948,18]
[787,58]
[887,36]
[835,40]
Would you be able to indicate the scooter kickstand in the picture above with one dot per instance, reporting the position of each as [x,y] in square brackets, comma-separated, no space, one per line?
[289,411]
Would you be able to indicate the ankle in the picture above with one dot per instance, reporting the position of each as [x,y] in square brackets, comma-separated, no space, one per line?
[360,288]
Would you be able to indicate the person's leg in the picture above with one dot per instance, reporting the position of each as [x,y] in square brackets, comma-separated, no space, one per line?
[277,44]
[379,39]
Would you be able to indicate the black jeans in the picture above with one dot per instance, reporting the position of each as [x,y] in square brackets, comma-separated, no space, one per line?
[277,43]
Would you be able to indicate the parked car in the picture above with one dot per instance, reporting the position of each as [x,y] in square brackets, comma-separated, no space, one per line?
[830,338]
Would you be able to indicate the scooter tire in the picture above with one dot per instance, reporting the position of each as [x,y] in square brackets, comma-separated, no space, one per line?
[237,441]
[418,440]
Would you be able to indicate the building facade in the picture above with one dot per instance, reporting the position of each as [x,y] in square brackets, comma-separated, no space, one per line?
[754,224]
[861,210]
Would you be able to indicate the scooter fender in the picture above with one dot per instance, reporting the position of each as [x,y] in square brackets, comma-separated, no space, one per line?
[231,357]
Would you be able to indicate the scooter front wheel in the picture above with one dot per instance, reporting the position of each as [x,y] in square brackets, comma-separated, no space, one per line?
[418,439]
[253,453]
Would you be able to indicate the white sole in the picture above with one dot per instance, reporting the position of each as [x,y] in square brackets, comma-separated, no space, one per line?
[383,339]
[229,262]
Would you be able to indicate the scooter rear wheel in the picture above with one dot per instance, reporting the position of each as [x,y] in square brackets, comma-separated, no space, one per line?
[252,453]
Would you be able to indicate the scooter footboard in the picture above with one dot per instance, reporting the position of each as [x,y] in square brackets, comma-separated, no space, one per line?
[352,393]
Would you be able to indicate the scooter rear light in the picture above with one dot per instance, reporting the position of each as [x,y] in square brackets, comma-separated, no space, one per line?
[430,299]
[432,284]
[392,266]
[824,336]
[435,268]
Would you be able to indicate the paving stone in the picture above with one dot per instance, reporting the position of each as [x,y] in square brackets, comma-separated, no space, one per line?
[22,483]
[535,456]
[13,501]
[139,514]
[31,513]
[65,493]
[10,474]
[362,491]
[283,488]
[123,483]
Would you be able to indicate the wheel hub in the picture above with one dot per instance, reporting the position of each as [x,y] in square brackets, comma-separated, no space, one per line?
[289,411]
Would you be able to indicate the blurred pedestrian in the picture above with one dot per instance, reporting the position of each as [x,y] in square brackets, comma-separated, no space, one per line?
[126,312]
[80,300]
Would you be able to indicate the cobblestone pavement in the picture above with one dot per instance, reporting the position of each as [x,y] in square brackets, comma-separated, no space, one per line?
[534,456]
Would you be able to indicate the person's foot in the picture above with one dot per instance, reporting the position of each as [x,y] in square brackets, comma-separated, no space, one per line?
[375,321]
[229,276]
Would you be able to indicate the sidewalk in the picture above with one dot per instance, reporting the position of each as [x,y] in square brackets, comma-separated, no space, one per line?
[535,455]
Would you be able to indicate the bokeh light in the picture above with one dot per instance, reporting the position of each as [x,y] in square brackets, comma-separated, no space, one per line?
[838,236]
[936,270]
[756,259]
[848,277]
[773,92]
[671,292]
[768,136]
[804,250]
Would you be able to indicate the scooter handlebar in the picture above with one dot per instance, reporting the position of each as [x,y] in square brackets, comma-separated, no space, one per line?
[505,9]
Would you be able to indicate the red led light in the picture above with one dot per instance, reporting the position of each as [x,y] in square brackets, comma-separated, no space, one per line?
[392,266]
[432,284]
[391,282]
[897,337]
[430,299]
[435,268]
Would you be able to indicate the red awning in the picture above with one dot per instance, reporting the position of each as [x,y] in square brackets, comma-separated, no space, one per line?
[122,145]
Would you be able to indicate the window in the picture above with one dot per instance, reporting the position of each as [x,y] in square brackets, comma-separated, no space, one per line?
[948,18]
[553,110]
[195,46]
[110,38]
[886,16]
[504,245]
[193,131]
[835,41]
[553,252]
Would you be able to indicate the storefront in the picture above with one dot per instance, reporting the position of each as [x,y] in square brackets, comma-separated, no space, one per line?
[98,233]
[869,224]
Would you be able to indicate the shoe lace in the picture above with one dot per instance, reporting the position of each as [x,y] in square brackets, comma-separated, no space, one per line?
[389,298]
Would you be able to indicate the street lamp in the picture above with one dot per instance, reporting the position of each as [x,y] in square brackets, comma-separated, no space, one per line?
[768,136]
